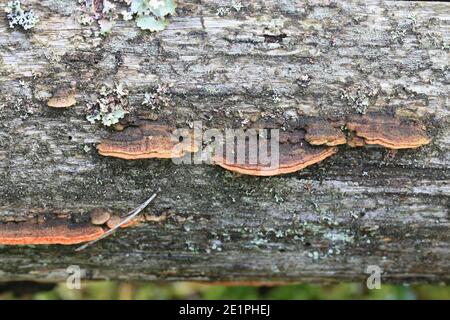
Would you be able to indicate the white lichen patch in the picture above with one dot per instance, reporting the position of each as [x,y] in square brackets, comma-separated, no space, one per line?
[235,5]
[110,107]
[359,99]
[17,16]
[276,96]
[159,98]
[222,11]
[404,28]
[338,236]
[85,20]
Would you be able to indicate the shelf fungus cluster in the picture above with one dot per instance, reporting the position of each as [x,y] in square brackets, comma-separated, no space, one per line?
[148,140]
[53,232]
[291,154]
[60,230]
[386,131]
[253,151]
[320,132]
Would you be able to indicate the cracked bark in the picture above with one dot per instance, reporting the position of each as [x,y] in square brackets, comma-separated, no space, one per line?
[276,59]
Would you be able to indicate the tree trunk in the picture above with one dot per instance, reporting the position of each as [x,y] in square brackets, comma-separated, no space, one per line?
[274,59]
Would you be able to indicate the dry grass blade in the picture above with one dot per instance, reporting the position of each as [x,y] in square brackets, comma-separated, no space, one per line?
[133,213]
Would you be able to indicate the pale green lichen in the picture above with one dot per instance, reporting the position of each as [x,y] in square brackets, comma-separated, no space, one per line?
[20,17]
[149,14]
[106,26]
[110,107]
[150,23]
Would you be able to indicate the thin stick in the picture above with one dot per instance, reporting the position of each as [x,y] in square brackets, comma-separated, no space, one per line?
[130,215]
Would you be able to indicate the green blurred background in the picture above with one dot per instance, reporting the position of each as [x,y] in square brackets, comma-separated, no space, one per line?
[186,290]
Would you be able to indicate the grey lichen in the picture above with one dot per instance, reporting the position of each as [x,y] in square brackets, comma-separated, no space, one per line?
[111,107]
[359,99]
[276,96]
[404,28]
[20,17]
[225,10]
[158,98]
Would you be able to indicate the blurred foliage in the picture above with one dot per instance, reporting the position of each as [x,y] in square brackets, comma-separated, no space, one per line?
[186,290]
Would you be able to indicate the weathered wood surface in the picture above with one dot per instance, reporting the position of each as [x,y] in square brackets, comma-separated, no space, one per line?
[325,223]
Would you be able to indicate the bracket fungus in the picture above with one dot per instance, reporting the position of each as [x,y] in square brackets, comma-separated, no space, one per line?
[310,141]
[388,132]
[63,231]
[324,133]
[62,99]
[293,154]
[147,140]
[51,232]
[100,216]
[355,141]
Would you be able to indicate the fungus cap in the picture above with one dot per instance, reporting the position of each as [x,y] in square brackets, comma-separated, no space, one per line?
[147,140]
[62,99]
[52,232]
[387,131]
[100,216]
[294,154]
[323,133]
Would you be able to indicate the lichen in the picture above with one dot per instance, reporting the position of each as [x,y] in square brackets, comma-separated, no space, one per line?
[20,17]
[404,28]
[85,20]
[158,98]
[111,107]
[148,14]
[276,96]
[225,10]
[222,11]
[105,26]
[359,99]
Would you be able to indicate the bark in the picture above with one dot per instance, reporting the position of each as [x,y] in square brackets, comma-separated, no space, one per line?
[277,59]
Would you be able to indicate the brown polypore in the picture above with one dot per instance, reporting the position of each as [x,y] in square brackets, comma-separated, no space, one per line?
[355,141]
[387,131]
[116,220]
[148,140]
[63,98]
[294,154]
[323,133]
[100,216]
[113,221]
[53,232]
